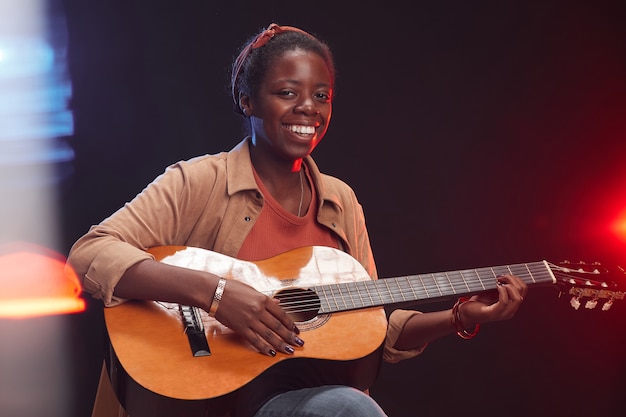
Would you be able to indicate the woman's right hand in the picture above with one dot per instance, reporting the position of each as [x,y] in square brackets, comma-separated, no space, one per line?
[258,319]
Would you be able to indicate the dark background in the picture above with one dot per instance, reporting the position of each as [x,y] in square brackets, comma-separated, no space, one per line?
[474,134]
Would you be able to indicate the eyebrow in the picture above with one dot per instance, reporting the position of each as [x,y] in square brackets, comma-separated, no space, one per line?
[292,81]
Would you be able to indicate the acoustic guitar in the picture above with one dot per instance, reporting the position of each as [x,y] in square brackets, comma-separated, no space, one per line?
[172,360]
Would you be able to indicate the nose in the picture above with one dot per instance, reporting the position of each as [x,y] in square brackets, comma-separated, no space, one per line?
[307,106]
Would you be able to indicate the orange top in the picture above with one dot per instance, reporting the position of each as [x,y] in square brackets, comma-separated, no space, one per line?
[277,230]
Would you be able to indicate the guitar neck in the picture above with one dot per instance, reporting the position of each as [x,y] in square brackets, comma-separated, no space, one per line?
[431,287]
[335,282]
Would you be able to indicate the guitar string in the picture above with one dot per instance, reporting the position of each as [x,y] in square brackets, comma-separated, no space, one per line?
[393,290]
[396,293]
[382,293]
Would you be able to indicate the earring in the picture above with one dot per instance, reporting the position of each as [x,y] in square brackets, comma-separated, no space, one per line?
[245,111]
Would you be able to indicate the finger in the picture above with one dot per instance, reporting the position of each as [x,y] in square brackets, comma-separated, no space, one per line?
[281,337]
[282,316]
[516,288]
[259,343]
[503,289]
[267,341]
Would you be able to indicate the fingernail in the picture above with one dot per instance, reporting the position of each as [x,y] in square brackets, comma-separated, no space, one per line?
[299,341]
[295,329]
[289,349]
[271,352]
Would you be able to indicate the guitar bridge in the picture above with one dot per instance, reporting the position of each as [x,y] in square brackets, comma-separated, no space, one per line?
[195,331]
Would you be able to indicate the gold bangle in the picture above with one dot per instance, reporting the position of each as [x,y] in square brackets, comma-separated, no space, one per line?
[217,297]
[458,324]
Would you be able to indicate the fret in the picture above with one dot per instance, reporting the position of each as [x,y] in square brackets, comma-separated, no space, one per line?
[376,297]
[363,285]
[404,283]
[345,296]
[384,291]
[336,298]
[473,281]
[424,286]
[457,281]
[432,285]
[522,271]
[494,273]
[541,274]
[354,296]
[443,283]
[452,288]
[396,295]
[437,287]
[358,293]
[324,299]
[498,271]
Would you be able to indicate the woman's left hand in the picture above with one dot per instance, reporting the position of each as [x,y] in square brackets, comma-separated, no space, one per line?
[485,308]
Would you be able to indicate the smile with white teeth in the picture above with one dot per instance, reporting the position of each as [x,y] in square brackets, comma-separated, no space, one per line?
[301,129]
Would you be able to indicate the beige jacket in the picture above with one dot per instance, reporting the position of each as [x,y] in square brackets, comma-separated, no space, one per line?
[212,202]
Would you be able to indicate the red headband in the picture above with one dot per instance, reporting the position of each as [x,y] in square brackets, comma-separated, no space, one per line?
[263,38]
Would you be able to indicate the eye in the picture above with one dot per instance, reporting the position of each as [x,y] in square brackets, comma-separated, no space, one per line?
[323,96]
[285,93]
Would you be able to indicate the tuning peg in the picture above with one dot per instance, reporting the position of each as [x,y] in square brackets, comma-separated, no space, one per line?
[591,304]
[607,305]
[575,302]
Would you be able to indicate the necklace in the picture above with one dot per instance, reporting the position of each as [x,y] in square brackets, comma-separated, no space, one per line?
[301,194]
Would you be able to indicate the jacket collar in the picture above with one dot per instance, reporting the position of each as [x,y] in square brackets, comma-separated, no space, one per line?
[241,178]
[239,169]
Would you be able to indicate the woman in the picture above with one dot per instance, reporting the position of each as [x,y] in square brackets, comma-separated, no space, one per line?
[260,199]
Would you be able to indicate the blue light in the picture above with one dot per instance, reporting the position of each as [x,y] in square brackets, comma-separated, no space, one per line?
[35,91]
[25,57]
[35,119]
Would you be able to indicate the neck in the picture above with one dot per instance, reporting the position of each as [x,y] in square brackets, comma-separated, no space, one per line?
[273,169]
[284,180]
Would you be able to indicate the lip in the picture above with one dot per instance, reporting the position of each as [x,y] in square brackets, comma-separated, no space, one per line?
[314,124]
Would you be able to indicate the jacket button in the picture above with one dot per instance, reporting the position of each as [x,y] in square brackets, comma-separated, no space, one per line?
[334,225]
[247,218]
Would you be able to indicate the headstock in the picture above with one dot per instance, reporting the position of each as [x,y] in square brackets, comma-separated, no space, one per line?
[589,281]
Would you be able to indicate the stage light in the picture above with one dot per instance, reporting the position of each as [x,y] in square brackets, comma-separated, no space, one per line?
[618,226]
[36,282]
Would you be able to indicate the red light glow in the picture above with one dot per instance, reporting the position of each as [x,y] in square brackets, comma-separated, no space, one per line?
[36,282]
[619,226]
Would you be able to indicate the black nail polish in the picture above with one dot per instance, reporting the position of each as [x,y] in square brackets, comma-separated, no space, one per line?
[296,330]
[289,349]
[271,352]
[299,341]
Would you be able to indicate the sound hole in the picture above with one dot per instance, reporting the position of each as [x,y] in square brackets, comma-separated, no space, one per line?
[300,304]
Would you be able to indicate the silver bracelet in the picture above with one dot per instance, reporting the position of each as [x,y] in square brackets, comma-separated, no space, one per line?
[217,297]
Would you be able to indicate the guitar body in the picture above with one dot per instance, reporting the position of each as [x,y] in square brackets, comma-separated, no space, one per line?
[154,373]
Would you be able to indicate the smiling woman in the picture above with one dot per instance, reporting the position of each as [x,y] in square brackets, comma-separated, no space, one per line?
[264,198]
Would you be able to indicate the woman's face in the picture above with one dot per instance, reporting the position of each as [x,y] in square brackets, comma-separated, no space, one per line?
[292,109]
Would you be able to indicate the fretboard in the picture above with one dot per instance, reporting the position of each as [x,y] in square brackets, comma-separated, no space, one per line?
[431,287]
